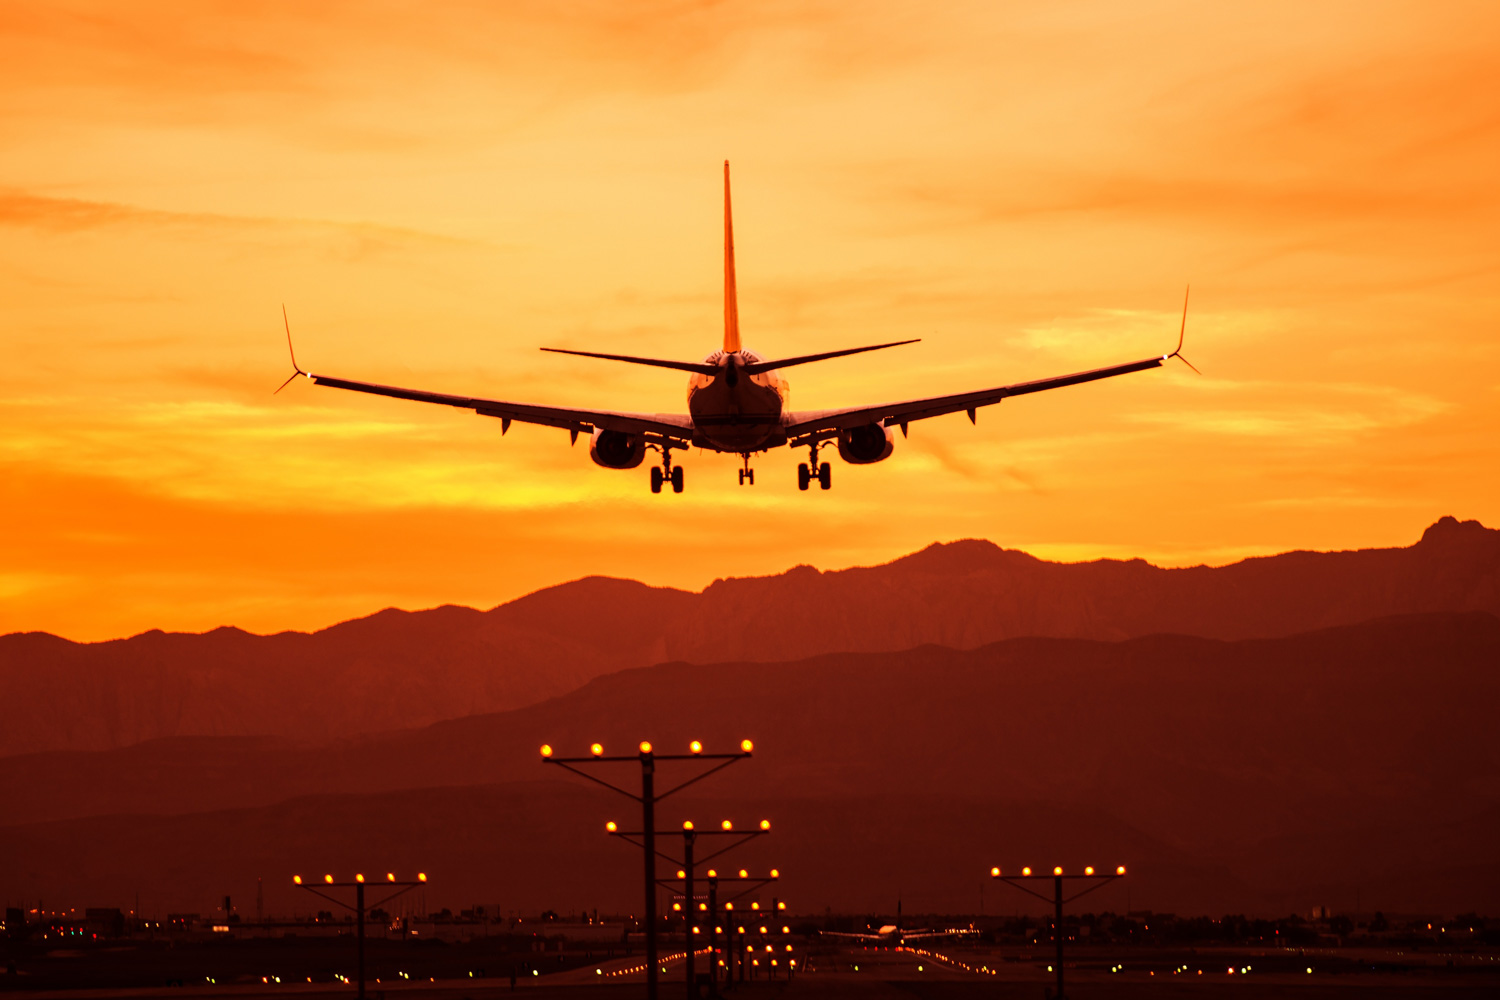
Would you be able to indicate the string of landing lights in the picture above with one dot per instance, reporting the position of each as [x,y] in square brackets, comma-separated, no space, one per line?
[664,961]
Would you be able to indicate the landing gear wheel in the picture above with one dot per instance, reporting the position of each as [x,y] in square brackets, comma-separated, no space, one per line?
[747,476]
[677,480]
[656,479]
[804,477]
[825,476]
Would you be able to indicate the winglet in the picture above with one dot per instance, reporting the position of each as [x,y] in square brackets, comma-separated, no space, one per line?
[1182,333]
[296,369]
[731,298]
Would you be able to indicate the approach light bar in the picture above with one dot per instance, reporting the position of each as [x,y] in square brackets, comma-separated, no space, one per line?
[1089,871]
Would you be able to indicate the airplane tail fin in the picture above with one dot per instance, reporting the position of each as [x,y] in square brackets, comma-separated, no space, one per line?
[731,298]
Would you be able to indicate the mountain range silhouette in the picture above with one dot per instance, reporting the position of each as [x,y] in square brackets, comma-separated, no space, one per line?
[1304,729]
[397,669]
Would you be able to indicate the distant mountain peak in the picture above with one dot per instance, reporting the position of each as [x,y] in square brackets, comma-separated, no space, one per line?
[1449,528]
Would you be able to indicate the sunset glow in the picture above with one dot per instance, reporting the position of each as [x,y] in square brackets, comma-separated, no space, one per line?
[435,192]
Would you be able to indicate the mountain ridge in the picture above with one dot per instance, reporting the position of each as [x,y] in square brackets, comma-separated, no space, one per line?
[400,668]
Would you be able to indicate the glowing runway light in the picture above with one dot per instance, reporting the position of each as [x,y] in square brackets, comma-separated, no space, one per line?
[727,824]
[1089,870]
[421,876]
[765,824]
[597,749]
[1057,871]
[546,749]
[747,746]
[645,746]
[1120,870]
[390,876]
[297,879]
[328,879]
[695,747]
[611,826]
[994,873]
[1025,871]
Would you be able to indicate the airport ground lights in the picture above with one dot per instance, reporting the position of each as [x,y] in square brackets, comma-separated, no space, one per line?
[359,909]
[648,797]
[1095,880]
[687,867]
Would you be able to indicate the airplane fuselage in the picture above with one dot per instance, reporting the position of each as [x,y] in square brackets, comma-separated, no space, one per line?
[736,412]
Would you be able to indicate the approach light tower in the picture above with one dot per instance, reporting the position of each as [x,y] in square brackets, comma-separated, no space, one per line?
[1096,880]
[648,758]
[687,875]
[359,908]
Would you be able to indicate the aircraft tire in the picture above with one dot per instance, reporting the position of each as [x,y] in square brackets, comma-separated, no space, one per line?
[804,477]
[677,480]
[825,476]
[656,479]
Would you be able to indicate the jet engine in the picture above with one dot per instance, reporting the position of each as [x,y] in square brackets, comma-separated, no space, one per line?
[617,449]
[866,443]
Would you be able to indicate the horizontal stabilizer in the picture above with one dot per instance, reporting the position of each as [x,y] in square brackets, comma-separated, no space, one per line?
[684,366]
[765,366]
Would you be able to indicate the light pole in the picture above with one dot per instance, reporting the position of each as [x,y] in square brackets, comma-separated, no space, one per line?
[1096,880]
[687,874]
[746,885]
[359,907]
[647,757]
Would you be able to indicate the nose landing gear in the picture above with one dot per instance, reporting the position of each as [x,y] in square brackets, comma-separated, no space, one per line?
[821,471]
[666,473]
[747,474]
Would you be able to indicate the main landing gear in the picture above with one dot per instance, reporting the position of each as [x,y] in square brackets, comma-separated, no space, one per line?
[666,473]
[821,471]
[747,474]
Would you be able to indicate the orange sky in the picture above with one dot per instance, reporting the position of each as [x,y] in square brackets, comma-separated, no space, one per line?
[437,190]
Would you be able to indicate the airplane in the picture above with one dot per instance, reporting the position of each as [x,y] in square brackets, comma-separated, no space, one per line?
[737,403]
[895,935]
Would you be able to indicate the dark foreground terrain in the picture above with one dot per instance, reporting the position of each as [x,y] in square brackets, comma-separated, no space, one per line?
[852,972]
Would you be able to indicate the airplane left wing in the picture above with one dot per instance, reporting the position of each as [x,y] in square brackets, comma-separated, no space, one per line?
[675,428]
[804,427]
[929,935]
[853,936]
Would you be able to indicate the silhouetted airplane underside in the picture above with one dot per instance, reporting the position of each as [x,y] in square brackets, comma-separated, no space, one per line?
[737,404]
[892,935]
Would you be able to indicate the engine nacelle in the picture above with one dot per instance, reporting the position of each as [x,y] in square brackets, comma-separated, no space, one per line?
[617,449]
[865,444]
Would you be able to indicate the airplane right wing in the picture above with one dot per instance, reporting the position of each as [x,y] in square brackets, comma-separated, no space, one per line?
[825,423]
[818,425]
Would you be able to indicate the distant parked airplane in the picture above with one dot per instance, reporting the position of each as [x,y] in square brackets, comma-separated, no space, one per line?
[894,935]
[737,404]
